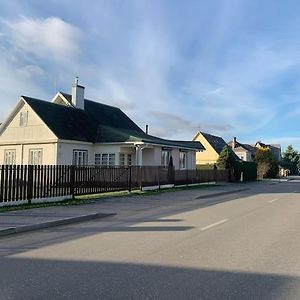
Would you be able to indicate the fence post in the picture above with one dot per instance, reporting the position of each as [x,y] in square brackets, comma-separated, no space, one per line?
[72,181]
[158,179]
[141,178]
[129,183]
[29,183]
[187,177]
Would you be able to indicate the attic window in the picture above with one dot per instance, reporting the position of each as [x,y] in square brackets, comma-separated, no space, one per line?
[23,118]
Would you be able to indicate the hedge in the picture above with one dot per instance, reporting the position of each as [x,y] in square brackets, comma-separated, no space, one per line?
[248,168]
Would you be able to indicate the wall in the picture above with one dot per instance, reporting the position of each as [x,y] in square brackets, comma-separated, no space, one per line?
[149,157]
[22,152]
[245,154]
[35,130]
[65,152]
[36,135]
[152,157]
[209,155]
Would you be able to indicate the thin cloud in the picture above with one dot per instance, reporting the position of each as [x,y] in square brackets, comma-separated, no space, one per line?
[45,38]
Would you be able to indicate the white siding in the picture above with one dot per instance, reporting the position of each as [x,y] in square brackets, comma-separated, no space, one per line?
[22,152]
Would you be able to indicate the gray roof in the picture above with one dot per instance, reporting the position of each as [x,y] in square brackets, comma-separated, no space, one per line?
[246,147]
[215,141]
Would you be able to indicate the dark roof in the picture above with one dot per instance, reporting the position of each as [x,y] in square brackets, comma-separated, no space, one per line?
[215,141]
[246,147]
[97,123]
[65,122]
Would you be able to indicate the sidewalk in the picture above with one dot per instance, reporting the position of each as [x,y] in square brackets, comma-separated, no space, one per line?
[40,218]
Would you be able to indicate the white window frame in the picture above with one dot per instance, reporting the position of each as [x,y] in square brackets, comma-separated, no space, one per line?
[23,118]
[182,160]
[127,159]
[80,157]
[165,157]
[9,157]
[105,159]
[111,159]
[122,159]
[35,156]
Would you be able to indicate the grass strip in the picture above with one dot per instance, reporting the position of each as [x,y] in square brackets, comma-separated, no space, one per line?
[89,199]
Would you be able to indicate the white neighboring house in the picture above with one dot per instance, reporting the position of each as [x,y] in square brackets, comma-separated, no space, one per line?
[72,130]
[244,151]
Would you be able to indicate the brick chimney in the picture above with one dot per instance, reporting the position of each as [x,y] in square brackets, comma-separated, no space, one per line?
[233,142]
[78,95]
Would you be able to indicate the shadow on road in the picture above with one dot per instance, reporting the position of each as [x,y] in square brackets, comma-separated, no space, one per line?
[55,279]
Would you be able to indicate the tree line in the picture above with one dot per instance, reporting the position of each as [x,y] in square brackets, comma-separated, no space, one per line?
[267,165]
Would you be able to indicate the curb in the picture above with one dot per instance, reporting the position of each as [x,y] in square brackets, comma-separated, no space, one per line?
[222,193]
[67,221]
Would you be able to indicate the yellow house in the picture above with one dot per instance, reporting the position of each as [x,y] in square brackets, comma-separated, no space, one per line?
[213,146]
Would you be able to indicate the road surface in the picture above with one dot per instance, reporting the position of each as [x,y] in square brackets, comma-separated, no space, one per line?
[172,246]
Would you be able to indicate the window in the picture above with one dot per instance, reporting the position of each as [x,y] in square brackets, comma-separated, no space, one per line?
[23,118]
[35,156]
[80,157]
[125,159]
[129,159]
[165,157]
[97,159]
[122,159]
[10,157]
[111,159]
[105,159]
[182,160]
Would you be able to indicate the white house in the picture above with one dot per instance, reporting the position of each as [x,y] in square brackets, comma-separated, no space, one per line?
[74,130]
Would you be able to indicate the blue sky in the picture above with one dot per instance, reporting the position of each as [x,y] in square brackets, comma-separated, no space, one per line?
[230,68]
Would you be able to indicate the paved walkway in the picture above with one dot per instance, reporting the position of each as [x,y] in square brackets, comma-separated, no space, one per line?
[117,205]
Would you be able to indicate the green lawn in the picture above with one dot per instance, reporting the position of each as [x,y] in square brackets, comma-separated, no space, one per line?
[88,199]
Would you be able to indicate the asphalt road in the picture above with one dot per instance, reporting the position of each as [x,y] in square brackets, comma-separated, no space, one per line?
[241,246]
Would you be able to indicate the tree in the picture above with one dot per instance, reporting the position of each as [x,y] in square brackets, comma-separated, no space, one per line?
[226,159]
[266,163]
[291,160]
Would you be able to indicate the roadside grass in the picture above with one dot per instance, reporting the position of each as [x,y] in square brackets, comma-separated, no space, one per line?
[89,199]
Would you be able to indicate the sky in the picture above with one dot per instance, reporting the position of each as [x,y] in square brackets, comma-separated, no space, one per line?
[230,68]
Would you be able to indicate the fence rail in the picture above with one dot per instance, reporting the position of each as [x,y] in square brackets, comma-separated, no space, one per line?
[19,183]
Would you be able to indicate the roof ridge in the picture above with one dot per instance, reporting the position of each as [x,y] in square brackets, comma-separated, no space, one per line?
[85,99]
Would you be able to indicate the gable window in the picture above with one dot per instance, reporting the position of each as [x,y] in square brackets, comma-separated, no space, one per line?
[10,157]
[105,159]
[23,118]
[35,156]
[165,157]
[80,157]
[182,160]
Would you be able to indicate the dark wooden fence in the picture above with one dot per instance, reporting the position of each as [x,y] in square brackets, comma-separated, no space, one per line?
[38,182]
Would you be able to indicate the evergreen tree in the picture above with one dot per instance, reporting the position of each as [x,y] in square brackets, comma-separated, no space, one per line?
[291,160]
[226,159]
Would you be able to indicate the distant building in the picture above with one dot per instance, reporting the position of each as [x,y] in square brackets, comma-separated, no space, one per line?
[213,146]
[244,151]
[275,149]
